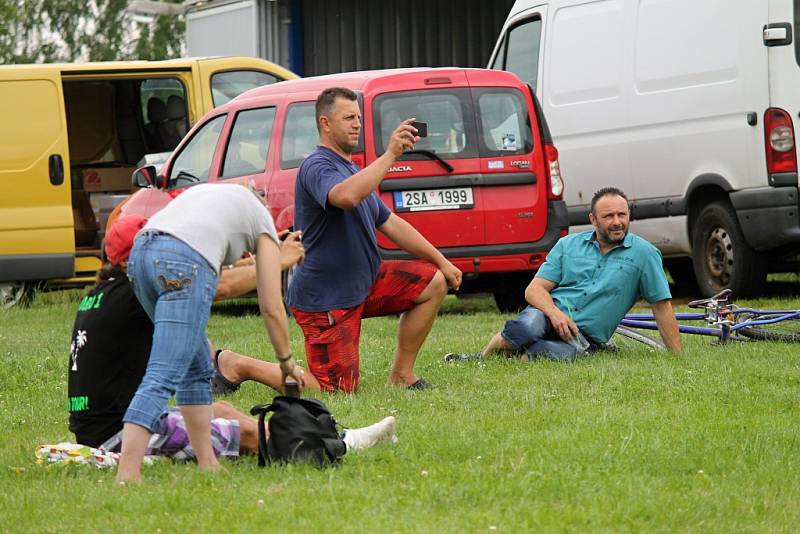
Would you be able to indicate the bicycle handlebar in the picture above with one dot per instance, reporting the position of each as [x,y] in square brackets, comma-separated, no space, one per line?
[703,303]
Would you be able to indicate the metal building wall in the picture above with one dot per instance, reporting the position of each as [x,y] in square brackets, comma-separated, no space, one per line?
[348,35]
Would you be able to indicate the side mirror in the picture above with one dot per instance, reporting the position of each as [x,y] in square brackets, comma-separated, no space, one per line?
[145,176]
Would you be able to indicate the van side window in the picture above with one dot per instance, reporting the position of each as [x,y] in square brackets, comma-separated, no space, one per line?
[503,122]
[249,143]
[519,52]
[225,86]
[193,164]
[500,58]
[164,119]
[300,136]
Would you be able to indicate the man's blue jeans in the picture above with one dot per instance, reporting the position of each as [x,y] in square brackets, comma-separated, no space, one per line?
[175,286]
[531,332]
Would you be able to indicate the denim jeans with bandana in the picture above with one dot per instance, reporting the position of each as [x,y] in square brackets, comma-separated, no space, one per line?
[175,286]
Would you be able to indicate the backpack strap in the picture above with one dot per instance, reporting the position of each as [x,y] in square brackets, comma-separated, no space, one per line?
[261,410]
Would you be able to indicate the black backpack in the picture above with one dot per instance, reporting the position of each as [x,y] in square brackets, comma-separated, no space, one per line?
[300,430]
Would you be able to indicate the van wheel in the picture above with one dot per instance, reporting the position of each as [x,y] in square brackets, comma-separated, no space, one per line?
[722,257]
[509,294]
[510,301]
[16,294]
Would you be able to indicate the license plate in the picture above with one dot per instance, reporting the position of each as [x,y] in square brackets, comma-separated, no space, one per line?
[453,198]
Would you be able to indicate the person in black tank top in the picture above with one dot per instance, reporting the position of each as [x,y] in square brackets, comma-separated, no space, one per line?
[107,359]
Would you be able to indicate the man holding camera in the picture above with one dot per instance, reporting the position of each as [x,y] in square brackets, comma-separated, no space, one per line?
[343,279]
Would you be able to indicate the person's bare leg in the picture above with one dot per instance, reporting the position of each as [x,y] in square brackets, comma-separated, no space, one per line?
[497,344]
[197,418]
[415,324]
[134,444]
[248,426]
[236,282]
[237,368]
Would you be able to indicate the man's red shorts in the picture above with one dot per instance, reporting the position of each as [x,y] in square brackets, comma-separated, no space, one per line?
[331,338]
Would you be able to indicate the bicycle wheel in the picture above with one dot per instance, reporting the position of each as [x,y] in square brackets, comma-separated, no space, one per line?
[635,335]
[787,330]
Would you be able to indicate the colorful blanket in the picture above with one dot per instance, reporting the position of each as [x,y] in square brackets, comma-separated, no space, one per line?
[73,453]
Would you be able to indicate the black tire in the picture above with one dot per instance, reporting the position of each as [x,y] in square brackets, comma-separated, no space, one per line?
[787,331]
[722,257]
[17,294]
[510,295]
[508,301]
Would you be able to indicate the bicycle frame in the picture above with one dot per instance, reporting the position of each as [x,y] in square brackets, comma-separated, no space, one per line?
[725,328]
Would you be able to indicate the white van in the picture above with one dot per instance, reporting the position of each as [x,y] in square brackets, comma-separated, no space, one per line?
[686,105]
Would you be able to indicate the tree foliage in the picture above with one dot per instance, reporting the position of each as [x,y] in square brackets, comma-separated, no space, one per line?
[44,31]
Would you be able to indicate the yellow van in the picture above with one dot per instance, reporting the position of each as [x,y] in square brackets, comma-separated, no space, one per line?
[70,137]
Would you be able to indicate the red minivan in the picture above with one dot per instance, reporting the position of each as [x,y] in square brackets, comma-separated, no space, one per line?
[484,186]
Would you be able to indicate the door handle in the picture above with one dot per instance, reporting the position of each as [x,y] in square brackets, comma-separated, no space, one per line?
[56,169]
[752,118]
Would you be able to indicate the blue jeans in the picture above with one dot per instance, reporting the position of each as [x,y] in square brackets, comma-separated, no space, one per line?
[175,286]
[531,332]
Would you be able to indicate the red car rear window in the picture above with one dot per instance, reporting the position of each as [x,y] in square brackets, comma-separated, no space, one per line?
[448,113]
[462,123]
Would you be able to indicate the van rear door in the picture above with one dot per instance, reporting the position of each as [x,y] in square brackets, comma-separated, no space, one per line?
[781,37]
[436,188]
[36,225]
[512,161]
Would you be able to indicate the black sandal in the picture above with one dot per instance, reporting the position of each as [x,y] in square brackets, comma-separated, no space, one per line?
[420,384]
[219,384]
[462,356]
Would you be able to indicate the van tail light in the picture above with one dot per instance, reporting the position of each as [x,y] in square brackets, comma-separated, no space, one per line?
[555,184]
[779,141]
[359,159]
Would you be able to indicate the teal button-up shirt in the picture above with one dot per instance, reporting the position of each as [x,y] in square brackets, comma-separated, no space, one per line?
[597,290]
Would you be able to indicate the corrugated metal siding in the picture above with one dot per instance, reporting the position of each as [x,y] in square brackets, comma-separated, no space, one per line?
[348,35]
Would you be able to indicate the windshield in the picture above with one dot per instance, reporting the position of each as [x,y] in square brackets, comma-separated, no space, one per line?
[462,123]
[225,86]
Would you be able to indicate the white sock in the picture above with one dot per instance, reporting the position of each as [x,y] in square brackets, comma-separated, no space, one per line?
[368,436]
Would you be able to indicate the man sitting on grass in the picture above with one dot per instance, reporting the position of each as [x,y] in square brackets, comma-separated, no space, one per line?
[588,283]
[110,348]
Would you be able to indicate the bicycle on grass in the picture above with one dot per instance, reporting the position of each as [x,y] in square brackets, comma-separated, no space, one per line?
[723,320]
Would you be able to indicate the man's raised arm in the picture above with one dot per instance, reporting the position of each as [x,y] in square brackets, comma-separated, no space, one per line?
[348,193]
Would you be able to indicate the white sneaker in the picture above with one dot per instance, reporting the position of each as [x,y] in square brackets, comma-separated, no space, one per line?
[368,436]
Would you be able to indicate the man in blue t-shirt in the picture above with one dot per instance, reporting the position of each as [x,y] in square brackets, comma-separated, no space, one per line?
[588,283]
[343,279]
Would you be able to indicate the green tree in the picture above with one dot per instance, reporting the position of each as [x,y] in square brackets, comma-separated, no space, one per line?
[8,13]
[161,40]
[42,31]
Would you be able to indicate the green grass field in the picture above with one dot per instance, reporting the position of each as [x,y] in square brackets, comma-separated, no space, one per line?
[628,442]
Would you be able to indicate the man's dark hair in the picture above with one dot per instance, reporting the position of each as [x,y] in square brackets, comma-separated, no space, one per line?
[328,97]
[607,192]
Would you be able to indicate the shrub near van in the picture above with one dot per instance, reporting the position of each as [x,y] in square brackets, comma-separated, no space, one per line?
[484,186]
[690,107]
[71,137]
